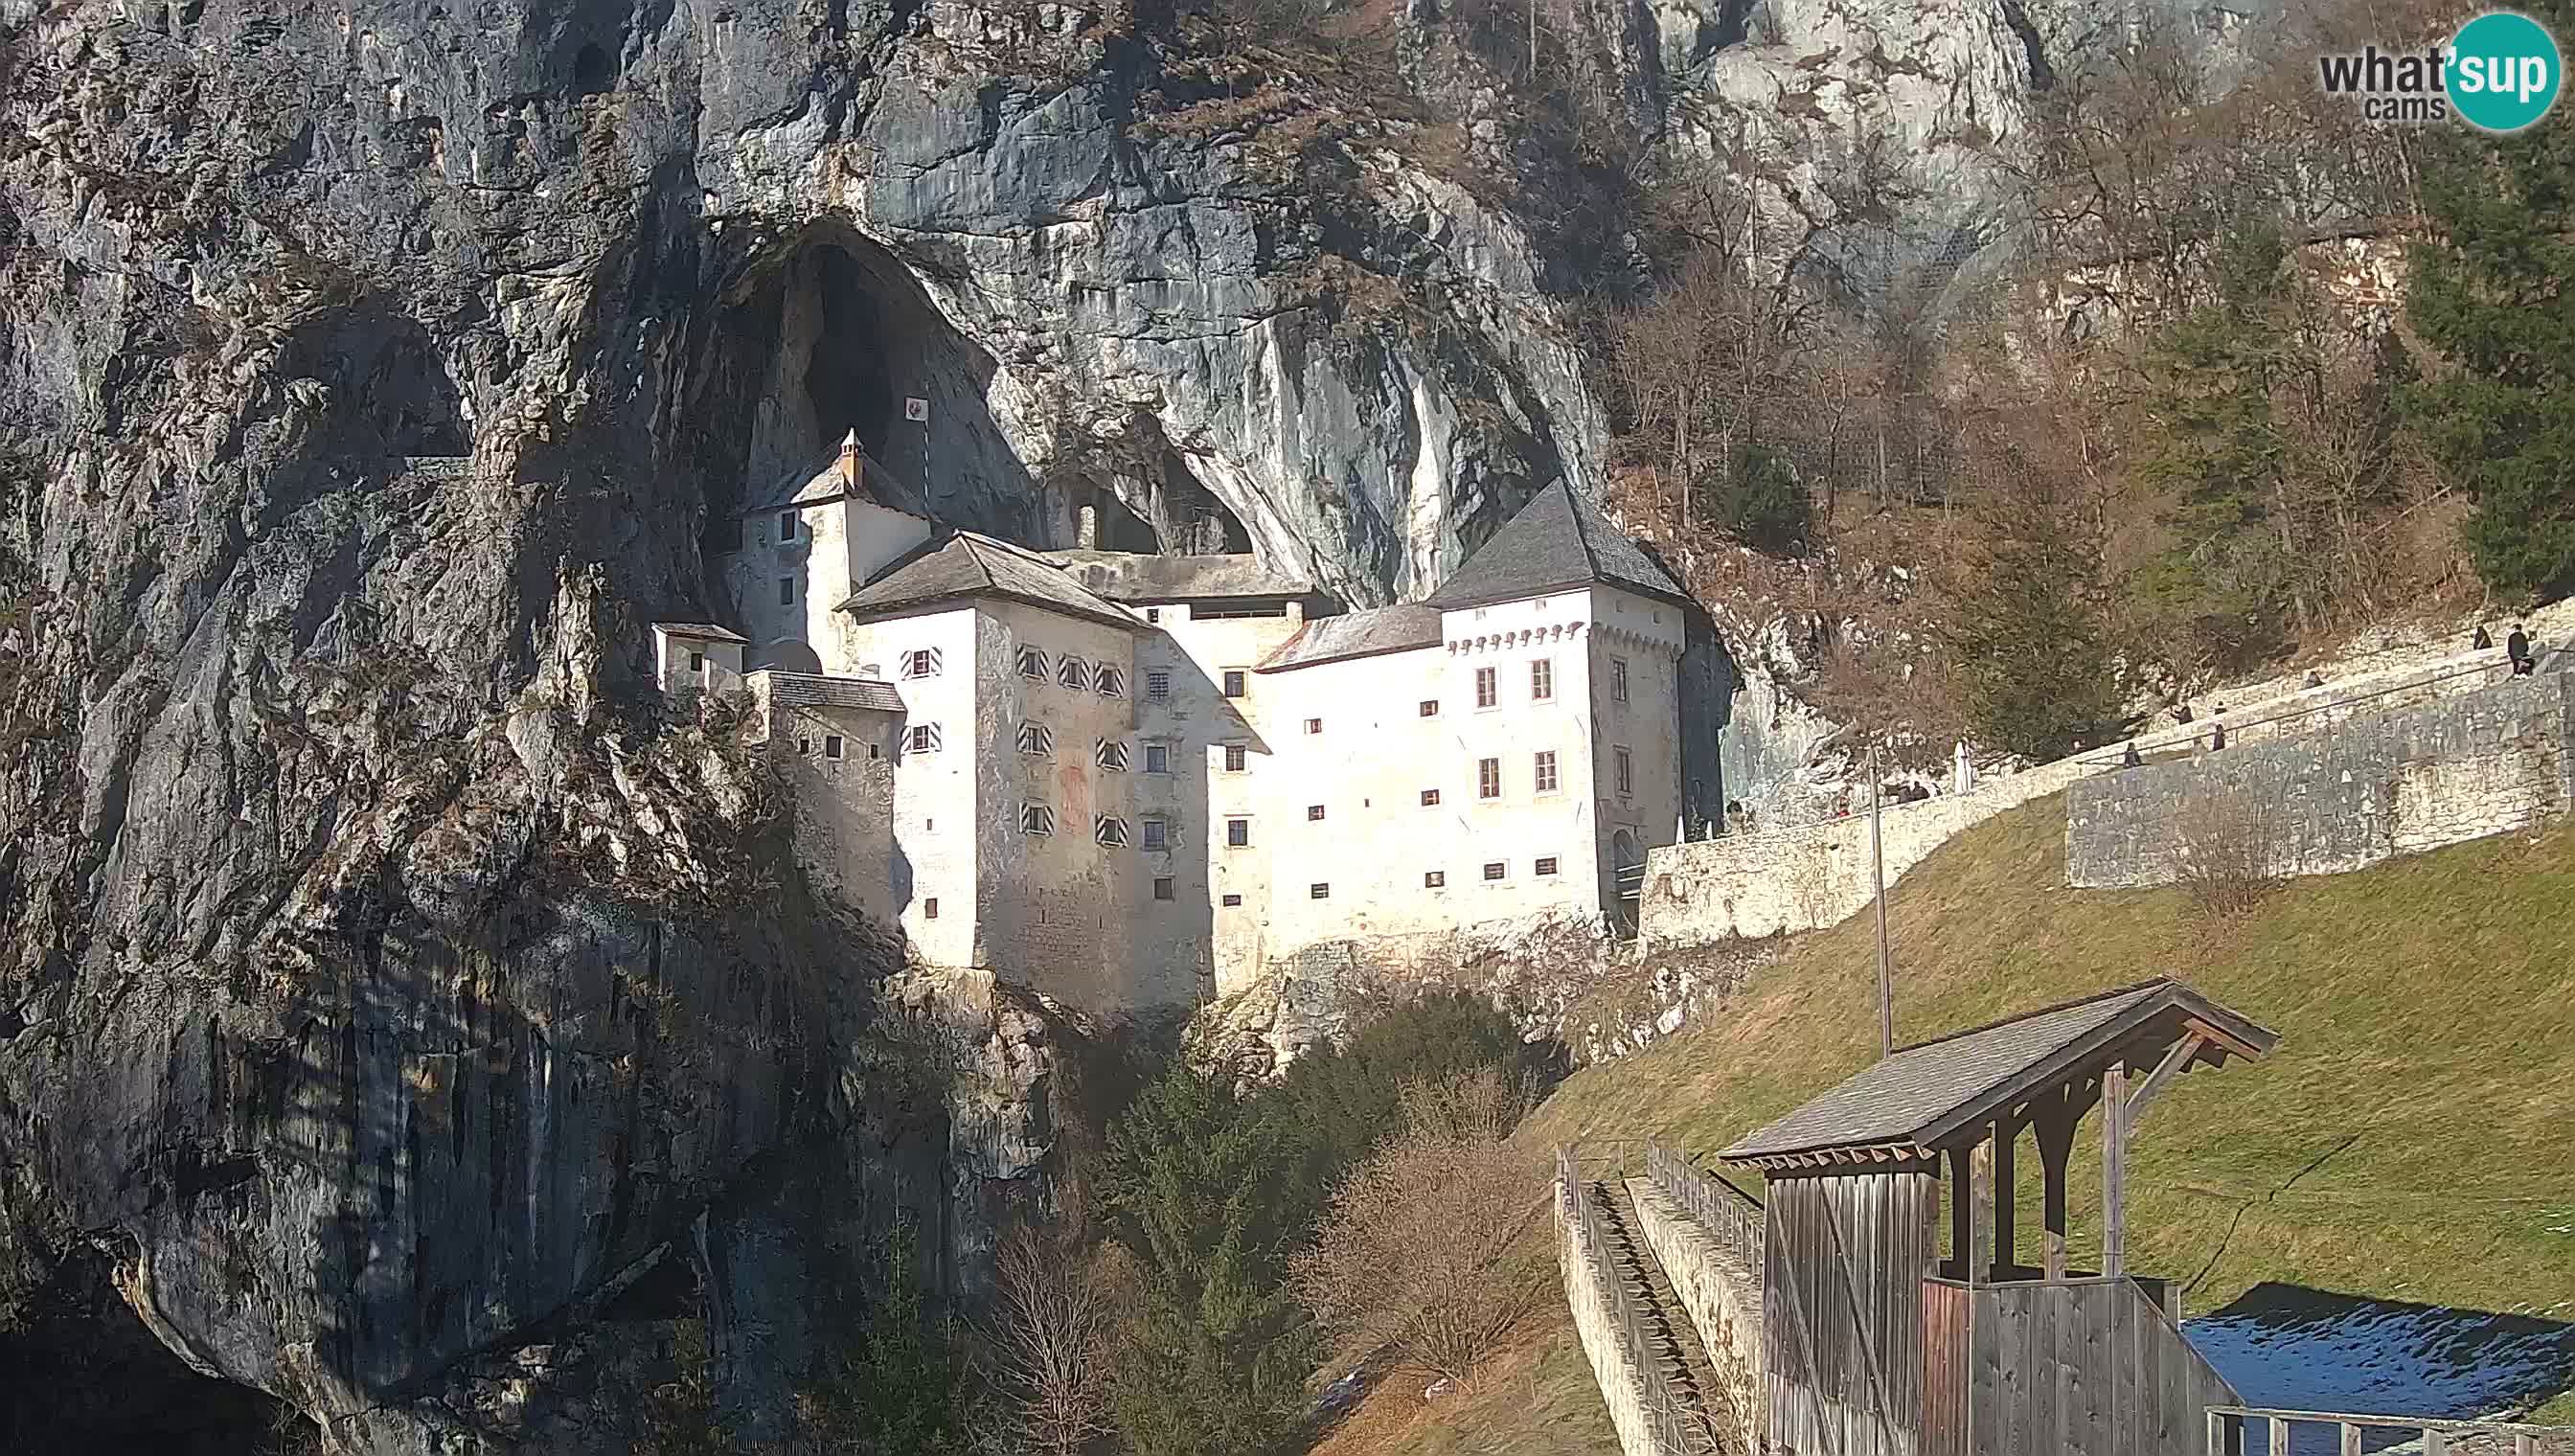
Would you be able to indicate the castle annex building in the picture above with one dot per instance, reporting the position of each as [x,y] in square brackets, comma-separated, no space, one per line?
[1139,781]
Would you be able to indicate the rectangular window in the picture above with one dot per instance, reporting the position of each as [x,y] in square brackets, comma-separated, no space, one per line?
[1486,692]
[1429,796]
[1545,867]
[1110,754]
[786,591]
[1547,771]
[1237,833]
[1626,771]
[831,745]
[1109,829]
[697,662]
[1314,814]
[1232,899]
[1037,738]
[921,663]
[1158,686]
[1032,663]
[1158,834]
[1235,682]
[930,908]
[1436,880]
[1431,708]
[874,752]
[1165,889]
[1319,892]
[1153,614]
[786,526]
[920,738]
[1494,868]
[1158,758]
[1542,680]
[1035,818]
[1618,680]
[1488,778]
[1313,725]
[804,746]
[1237,757]
[1109,682]
[1074,674]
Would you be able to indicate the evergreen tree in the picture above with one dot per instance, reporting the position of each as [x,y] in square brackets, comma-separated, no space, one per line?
[2026,630]
[2490,293]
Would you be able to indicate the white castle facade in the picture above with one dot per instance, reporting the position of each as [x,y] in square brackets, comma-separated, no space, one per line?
[1138,781]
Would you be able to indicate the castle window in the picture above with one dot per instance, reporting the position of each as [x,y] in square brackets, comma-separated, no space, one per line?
[875,752]
[1319,892]
[1542,680]
[786,591]
[1158,686]
[1627,767]
[697,662]
[1032,663]
[1545,867]
[831,745]
[1487,693]
[804,746]
[920,738]
[921,663]
[930,908]
[1035,818]
[1110,829]
[1495,869]
[786,526]
[1313,725]
[1109,682]
[1429,796]
[1163,888]
[1074,674]
[1237,683]
[1436,880]
[1314,814]
[1232,899]
[1618,680]
[1431,708]
[1488,778]
[1158,758]
[1237,833]
[1112,755]
[1158,834]
[1237,757]
[1037,738]
[1153,614]
[1547,771]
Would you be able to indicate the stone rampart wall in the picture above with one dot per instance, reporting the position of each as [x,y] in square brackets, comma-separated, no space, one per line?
[1722,1296]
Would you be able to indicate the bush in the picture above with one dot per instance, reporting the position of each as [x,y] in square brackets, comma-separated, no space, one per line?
[1760,502]
[2229,850]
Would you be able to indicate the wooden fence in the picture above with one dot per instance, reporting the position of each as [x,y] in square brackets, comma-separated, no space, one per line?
[2089,1365]
[2237,1430]
[1722,1209]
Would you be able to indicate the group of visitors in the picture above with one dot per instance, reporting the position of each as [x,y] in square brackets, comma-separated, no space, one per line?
[2516,646]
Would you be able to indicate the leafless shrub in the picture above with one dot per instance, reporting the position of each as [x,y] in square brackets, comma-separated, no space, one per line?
[2230,849]
[1415,1256]
[1053,1337]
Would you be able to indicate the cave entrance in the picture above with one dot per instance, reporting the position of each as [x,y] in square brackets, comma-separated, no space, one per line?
[1153,503]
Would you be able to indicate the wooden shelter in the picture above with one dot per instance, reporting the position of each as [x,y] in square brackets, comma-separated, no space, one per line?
[1871,1350]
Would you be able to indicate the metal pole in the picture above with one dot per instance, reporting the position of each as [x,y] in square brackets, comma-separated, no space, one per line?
[1877,857]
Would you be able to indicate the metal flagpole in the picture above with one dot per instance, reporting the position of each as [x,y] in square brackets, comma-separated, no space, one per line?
[1877,857]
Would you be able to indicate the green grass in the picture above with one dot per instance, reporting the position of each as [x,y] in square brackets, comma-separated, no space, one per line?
[2412,1138]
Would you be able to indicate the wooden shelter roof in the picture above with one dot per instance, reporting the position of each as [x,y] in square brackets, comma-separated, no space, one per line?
[1950,1089]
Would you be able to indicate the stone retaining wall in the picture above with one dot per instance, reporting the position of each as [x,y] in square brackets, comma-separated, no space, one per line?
[1723,1295]
[1595,1322]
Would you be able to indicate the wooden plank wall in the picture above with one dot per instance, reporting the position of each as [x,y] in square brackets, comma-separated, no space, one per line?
[1946,1361]
[2087,1365]
[1842,1320]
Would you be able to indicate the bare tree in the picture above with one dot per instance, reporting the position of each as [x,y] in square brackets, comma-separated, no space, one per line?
[2229,845]
[1053,1337]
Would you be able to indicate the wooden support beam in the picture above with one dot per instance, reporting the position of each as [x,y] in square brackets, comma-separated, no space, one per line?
[2055,1125]
[1962,1220]
[1982,1260]
[2114,1168]
[2004,1190]
[2156,1080]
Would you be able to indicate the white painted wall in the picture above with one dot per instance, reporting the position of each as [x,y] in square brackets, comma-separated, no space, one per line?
[936,851]
[835,547]
[720,670]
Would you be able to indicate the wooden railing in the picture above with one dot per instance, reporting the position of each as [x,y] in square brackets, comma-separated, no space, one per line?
[1721,1209]
[1583,1242]
[2230,1424]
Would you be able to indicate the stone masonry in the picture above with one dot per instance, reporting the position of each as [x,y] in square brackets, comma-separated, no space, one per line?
[1722,1296]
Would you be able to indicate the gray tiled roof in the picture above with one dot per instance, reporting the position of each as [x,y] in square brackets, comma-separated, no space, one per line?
[1123,575]
[967,565]
[1356,634]
[701,629]
[1559,539]
[808,689]
[843,471]
[1922,1090]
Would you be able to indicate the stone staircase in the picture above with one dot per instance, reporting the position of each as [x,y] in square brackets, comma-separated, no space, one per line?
[1672,1343]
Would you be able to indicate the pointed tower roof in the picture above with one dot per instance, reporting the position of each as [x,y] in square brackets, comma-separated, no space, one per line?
[1559,540]
[967,565]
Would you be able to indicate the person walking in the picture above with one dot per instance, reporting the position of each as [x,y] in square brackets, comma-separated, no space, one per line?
[2517,648]
[2217,729]
[1963,773]
[2181,715]
[2129,760]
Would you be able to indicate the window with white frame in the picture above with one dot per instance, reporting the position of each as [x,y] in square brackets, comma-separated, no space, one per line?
[1158,686]
[1032,663]
[1237,833]
[1236,757]
[1237,682]
[1158,758]
[831,745]
[1488,778]
[1545,865]
[1547,771]
[1110,754]
[1487,687]
[1496,869]
[1109,829]
[1314,814]
[1618,680]
[1625,767]
[1430,798]
[1319,892]
[1165,889]
[1035,818]
[1434,878]
[1313,725]
[1430,708]
[920,738]
[1109,682]
[1158,834]
[1037,738]
[786,591]
[1542,680]
[921,663]
[1073,673]
[697,662]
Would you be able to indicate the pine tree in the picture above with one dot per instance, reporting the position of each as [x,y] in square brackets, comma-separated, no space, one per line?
[2490,293]
[2036,673]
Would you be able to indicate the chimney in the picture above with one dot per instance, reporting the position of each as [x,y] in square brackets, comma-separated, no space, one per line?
[850,476]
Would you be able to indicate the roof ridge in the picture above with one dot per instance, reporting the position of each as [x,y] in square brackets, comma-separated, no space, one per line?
[2048,1011]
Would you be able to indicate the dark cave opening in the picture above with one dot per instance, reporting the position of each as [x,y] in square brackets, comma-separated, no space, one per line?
[387,386]
[592,74]
[846,374]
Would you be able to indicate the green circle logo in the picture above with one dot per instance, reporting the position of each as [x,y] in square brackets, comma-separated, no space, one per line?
[2501,71]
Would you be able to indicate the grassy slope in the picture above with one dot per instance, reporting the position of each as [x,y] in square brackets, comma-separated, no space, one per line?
[2414,1137]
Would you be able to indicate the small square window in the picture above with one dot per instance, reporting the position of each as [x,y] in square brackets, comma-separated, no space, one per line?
[930,908]
[1237,833]
[1235,682]
[1232,900]
[1547,771]
[1436,880]
[1075,672]
[1542,680]
[1319,892]
[1165,889]
[1618,680]
[1153,614]
[786,591]
[1109,682]
[1109,829]
[697,662]
[831,745]
[1037,818]
[922,738]
[786,525]
[1158,758]
[1431,708]
[1110,754]
[1487,693]
[1429,796]
[1544,866]
[1157,835]
[1314,814]
[1494,868]
[1157,687]
[921,663]
[1032,663]
[1313,725]
[1038,738]
[804,746]
[1236,757]
[1488,778]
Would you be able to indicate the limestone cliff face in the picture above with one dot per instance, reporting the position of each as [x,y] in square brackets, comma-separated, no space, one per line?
[384,985]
